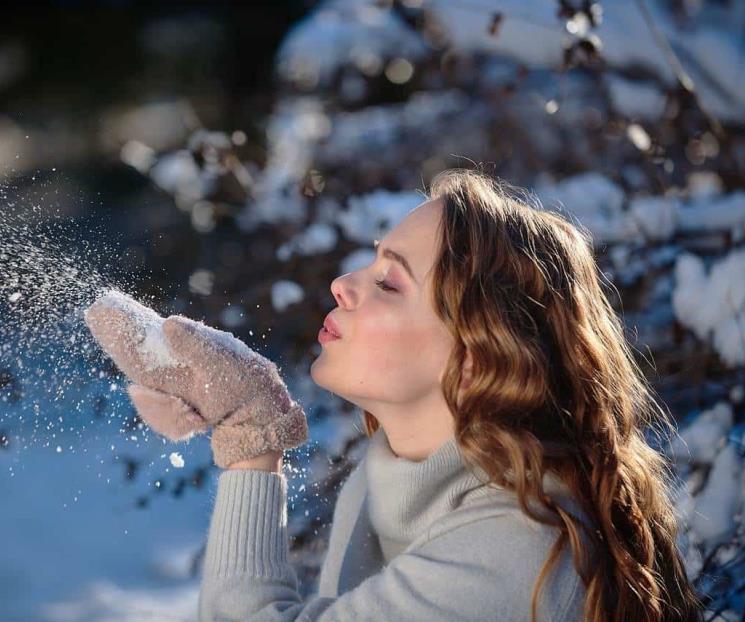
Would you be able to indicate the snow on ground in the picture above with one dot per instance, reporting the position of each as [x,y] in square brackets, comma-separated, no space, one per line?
[104,600]
[79,538]
[81,548]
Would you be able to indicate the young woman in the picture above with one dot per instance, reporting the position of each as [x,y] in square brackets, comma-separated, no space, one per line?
[506,476]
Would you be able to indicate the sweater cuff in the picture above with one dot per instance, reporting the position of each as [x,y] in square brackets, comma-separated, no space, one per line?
[248,529]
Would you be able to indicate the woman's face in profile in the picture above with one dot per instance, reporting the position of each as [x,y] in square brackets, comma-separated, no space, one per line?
[393,348]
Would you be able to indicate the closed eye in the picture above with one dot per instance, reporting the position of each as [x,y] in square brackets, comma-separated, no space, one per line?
[384,286]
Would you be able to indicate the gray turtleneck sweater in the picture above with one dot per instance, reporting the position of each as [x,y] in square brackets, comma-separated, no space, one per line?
[410,541]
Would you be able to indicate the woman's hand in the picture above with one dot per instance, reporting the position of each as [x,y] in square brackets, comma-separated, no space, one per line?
[271,461]
[203,377]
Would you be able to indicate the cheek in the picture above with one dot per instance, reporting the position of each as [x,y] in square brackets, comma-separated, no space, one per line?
[390,353]
[397,341]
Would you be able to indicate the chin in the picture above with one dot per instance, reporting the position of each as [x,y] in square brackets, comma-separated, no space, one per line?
[314,374]
[323,382]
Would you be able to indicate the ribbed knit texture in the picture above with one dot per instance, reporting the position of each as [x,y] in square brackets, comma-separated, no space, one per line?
[416,541]
[249,523]
[405,497]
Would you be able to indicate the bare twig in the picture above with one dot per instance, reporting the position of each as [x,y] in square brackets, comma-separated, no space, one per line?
[683,78]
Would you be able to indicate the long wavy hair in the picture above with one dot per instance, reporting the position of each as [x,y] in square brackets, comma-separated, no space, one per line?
[555,388]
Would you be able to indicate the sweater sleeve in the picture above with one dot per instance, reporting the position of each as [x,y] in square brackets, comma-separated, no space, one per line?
[465,574]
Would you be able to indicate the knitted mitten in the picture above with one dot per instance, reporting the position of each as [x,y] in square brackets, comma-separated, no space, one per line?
[188,377]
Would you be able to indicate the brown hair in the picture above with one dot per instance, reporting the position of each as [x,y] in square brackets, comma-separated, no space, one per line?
[555,388]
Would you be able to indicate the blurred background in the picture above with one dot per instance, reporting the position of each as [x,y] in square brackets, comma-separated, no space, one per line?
[228,161]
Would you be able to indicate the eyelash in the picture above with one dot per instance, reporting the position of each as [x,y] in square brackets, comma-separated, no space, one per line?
[384,286]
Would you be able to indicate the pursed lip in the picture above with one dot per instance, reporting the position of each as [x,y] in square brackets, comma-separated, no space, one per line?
[331,326]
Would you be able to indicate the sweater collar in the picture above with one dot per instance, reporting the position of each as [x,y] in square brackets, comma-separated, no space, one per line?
[404,496]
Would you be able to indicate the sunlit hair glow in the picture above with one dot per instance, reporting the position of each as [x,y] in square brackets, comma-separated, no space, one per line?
[555,388]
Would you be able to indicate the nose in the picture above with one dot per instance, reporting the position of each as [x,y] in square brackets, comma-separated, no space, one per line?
[341,291]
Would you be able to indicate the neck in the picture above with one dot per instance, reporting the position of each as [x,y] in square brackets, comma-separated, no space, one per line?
[416,432]
[416,428]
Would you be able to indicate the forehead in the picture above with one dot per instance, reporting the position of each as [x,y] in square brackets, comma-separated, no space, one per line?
[425,215]
[415,236]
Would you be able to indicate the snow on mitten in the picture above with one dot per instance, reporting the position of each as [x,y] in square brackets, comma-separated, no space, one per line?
[189,376]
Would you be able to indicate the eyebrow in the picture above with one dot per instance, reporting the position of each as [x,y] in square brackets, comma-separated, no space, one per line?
[389,253]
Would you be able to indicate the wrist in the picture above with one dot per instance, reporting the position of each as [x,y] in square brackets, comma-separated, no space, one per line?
[270,461]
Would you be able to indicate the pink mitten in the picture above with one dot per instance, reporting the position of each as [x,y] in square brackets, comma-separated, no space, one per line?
[189,376]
